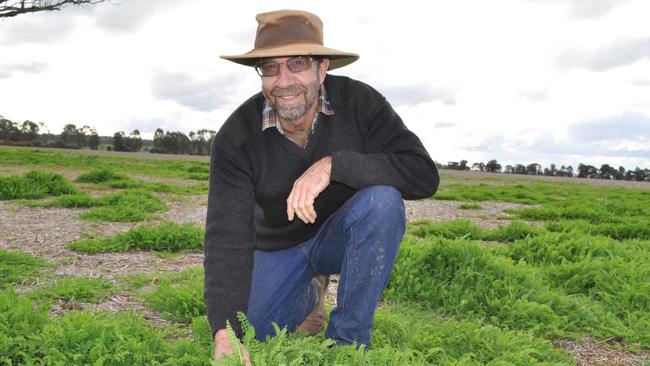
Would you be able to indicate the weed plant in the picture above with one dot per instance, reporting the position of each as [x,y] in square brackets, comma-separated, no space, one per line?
[464,279]
[108,178]
[470,206]
[125,206]
[29,337]
[16,267]
[177,296]
[79,289]
[34,185]
[166,237]
[465,229]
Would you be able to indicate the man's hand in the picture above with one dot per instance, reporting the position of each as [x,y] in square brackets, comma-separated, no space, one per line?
[223,346]
[306,188]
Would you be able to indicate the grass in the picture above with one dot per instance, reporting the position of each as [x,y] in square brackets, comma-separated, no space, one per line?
[177,296]
[79,289]
[108,178]
[30,337]
[16,267]
[470,206]
[34,185]
[166,237]
[48,158]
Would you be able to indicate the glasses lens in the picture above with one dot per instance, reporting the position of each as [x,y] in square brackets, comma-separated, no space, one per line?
[298,64]
[268,68]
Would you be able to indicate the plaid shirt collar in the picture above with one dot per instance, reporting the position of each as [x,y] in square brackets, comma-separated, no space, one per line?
[270,117]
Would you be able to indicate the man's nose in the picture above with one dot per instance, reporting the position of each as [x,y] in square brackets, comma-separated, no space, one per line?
[285,77]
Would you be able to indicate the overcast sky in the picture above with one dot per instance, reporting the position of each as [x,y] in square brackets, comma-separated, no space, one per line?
[520,81]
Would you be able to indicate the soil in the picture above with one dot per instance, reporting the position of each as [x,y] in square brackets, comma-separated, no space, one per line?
[45,232]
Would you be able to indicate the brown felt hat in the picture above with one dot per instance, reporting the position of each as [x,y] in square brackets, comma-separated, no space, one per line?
[291,33]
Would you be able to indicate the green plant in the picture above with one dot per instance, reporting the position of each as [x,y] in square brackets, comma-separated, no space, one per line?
[470,206]
[79,289]
[33,185]
[166,237]
[125,206]
[16,267]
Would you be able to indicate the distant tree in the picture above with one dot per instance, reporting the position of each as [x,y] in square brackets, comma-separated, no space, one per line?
[640,175]
[200,141]
[479,167]
[534,169]
[92,138]
[158,137]
[587,171]
[11,8]
[607,172]
[463,165]
[29,130]
[72,137]
[509,169]
[551,171]
[520,169]
[8,130]
[620,173]
[118,141]
[453,165]
[134,141]
[493,167]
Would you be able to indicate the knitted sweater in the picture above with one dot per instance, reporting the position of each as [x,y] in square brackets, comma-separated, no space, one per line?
[252,173]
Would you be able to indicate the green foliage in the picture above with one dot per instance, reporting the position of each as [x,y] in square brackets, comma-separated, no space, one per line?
[72,159]
[166,237]
[125,206]
[28,337]
[177,296]
[20,325]
[34,185]
[465,279]
[110,179]
[455,229]
[101,176]
[80,289]
[16,267]
[465,229]
[470,206]
[403,336]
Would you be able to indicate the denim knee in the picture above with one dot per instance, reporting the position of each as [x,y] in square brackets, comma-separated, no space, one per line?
[384,200]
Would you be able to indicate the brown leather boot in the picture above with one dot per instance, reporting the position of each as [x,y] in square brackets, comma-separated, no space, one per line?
[313,323]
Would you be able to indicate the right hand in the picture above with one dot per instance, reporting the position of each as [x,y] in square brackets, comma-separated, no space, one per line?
[223,346]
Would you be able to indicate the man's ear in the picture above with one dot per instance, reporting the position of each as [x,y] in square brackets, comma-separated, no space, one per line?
[323,66]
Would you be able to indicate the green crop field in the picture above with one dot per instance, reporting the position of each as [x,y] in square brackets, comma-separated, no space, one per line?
[100,264]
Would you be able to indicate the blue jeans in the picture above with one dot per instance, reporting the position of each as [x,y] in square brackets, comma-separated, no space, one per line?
[359,241]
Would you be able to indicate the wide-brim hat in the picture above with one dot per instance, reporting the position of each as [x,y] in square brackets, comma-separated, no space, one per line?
[291,33]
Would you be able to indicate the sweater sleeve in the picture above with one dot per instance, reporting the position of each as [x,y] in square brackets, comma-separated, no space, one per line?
[393,156]
[229,240]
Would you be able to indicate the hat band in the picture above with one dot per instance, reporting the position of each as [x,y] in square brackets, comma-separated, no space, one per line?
[287,30]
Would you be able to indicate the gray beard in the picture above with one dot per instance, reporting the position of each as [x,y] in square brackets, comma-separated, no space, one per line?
[291,113]
[297,111]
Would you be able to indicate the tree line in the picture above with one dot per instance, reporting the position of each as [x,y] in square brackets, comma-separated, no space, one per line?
[29,133]
[198,142]
[605,171]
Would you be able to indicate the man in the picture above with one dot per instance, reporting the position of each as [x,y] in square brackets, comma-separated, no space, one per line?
[306,180]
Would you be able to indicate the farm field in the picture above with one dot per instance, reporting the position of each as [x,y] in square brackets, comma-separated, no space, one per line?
[101,264]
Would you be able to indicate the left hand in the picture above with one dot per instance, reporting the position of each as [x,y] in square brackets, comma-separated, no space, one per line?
[306,188]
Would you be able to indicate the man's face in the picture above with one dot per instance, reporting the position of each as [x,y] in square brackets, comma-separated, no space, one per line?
[292,93]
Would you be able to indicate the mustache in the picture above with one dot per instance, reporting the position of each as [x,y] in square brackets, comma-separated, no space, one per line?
[290,90]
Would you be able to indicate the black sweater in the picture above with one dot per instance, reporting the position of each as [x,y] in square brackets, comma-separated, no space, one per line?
[252,173]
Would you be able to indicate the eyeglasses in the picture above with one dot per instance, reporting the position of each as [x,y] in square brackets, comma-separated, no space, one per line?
[294,64]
